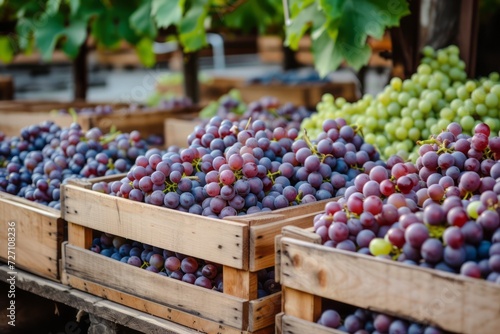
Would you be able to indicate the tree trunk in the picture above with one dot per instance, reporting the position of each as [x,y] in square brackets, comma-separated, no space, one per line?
[289,60]
[80,74]
[190,68]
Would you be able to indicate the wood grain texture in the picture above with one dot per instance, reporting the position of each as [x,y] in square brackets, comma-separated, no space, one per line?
[262,251]
[220,241]
[452,302]
[240,283]
[295,233]
[300,304]
[105,309]
[146,122]
[189,298]
[176,131]
[263,311]
[294,325]
[38,236]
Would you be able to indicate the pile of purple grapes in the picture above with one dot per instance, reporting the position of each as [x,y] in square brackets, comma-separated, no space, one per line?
[236,168]
[45,155]
[173,264]
[442,212]
[368,322]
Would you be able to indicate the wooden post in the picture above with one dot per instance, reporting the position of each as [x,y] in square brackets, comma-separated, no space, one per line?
[80,74]
[468,28]
[289,60]
[190,70]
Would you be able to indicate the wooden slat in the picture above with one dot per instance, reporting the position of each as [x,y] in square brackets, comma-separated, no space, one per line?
[240,283]
[38,236]
[79,236]
[146,122]
[300,304]
[94,305]
[211,239]
[262,311]
[296,233]
[294,325]
[420,294]
[176,131]
[189,298]
[262,251]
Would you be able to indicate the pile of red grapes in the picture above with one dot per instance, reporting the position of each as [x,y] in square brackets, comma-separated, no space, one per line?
[442,212]
[34,164]
[363,321]
[173,264]
[236,168]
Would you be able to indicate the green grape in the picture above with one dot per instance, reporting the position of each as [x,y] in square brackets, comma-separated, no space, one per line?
[478,95]
[472,209]
[406,112]
[450,94]
[424,106]
[417,114]
[379,246]
[428,51]
[370,138]
[492,112]
[442,124]
[461,112]
[491,100]
[401,133]
[467,123]
[419,123]
[407,122]
[447,113]
[481,110]
[393,109]
[414,134]
[462,93]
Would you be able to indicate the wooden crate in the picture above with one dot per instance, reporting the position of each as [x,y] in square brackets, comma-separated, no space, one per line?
[38,236]
[308,95]
[242,245]
[14,115]
[177,131]
[210,90]
[310,271]
[147,122]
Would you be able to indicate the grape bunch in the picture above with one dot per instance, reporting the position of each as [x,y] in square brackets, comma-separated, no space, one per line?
[438,94]
[267,109]
[235,168]
[363,321]
[45,155]
[441,212]
[104,109]
[174,264]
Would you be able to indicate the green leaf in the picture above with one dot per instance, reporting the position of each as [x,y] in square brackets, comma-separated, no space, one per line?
[142,22]
[261,15]
[341,28]
[47,35]
[105,30]
[74,5]
[6,49]
[145,52]
[192,33]
[299,25]
[167,13]
[52,7]
[76,34]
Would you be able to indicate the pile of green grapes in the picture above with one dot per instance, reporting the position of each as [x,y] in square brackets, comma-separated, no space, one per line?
[415,108]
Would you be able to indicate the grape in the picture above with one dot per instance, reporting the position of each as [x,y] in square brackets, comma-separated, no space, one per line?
[330,318]
[432,250]
[416,235]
